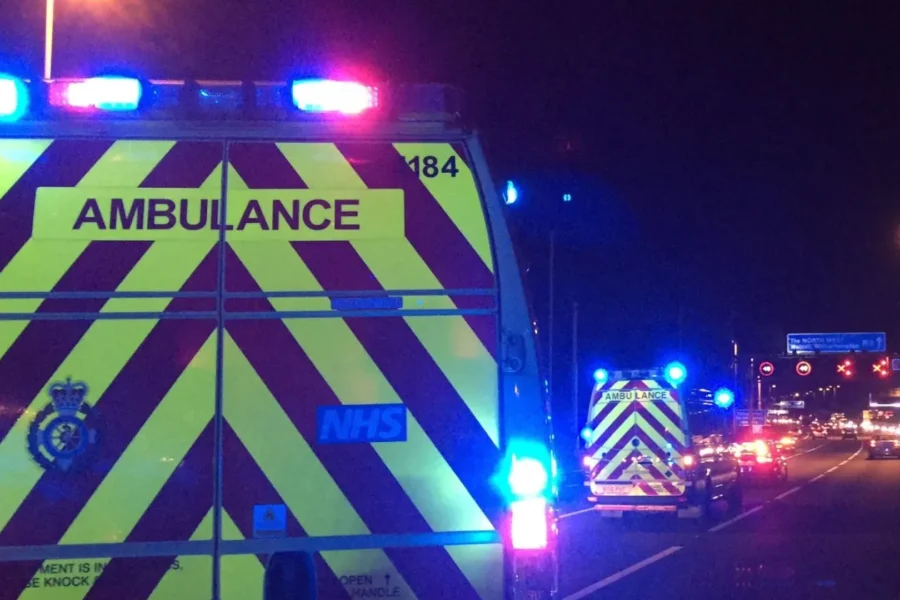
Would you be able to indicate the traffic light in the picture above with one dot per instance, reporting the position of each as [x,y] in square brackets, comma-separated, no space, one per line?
[881,367]
[846,368]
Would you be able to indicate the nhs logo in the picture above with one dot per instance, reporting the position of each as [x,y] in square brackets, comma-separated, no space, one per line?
[361,423]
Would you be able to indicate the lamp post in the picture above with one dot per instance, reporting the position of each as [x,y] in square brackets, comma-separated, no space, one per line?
[48,40]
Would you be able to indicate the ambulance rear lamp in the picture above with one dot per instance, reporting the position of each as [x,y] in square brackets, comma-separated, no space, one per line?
[688,460]
[329,96]
[13,98]
[529,524]
[114,94]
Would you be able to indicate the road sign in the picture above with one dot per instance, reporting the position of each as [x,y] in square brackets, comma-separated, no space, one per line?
[799,404]
[745,417]
[803,368]
[766,369]
[810,343]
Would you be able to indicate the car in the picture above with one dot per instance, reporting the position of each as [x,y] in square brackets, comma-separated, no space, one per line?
[884,446]
[849,431]
[761,460]
[817,432]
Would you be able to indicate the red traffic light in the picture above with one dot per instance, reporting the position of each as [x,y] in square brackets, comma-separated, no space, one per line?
[766,369]
[803,368]
[882,368]
[845,368]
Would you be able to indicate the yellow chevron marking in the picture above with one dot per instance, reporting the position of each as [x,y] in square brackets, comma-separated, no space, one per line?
[39,265]
[16,157]
[151,457]
[482,564]
[607,422]
[193,577]
[314,499]
[100,355]
[395,263]
[418,466]
[242,574]
[458,195]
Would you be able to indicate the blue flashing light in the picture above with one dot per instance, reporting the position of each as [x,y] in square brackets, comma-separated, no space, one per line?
[13,98]
[567,197]
[601,376]
[586,433]
[511,194]
[676,373]
[527,477]
[329,96]
[723,397]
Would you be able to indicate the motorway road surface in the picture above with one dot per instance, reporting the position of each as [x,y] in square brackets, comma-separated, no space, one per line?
[831,531]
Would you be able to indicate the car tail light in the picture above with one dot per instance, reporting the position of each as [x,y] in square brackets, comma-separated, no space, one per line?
[688,460]
[872,443]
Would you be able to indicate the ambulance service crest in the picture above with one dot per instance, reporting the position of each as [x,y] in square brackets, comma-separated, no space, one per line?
[59,436]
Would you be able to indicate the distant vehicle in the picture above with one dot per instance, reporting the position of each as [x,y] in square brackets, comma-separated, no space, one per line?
[761,460]
[884,446]
[818,432]
[641,457]
[849,431]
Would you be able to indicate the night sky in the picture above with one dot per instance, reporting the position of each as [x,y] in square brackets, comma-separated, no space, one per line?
[736,171]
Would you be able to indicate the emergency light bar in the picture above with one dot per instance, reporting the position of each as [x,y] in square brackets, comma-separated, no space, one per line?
[117,97]
[13,98]
[100,93]
[322,95]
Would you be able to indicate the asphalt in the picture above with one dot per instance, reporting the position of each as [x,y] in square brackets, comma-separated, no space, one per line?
[831,531]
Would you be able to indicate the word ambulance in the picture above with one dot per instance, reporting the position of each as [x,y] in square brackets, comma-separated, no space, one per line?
[148,214]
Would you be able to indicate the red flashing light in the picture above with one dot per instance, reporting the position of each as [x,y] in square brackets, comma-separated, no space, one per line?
[845,368]
[882,368]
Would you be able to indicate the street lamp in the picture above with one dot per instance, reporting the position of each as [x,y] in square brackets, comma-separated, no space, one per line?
[48,40]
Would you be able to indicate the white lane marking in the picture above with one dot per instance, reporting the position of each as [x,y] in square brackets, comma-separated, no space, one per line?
[804,452]
[584,592]
[576,512]
[743,515]
[793,490]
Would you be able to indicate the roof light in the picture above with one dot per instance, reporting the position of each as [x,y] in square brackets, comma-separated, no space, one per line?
[511,194]
[324,95]
[723,398]
[601,376]
[13,98]
[100,93]
[676,373]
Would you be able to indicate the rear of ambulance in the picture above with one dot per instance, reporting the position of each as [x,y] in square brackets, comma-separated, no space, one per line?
[637,453]
[262,336]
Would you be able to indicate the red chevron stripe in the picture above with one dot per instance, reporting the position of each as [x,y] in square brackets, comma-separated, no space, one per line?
[604,412]
[118,415]
[381,503]
[63,164]
[43,345]
[653,448]
[647,489]
[415,376]
[174,515]
[430,231]
[651,420]
[604,439]
[663,407]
